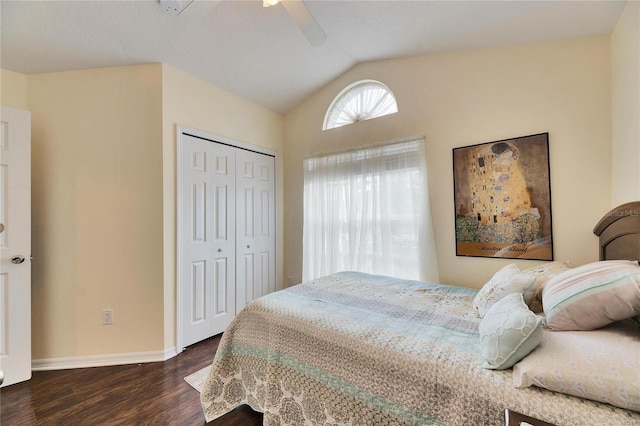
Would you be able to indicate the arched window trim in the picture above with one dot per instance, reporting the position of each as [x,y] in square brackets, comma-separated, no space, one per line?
[349,88]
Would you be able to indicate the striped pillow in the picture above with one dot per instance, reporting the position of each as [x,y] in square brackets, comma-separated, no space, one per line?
[592,295]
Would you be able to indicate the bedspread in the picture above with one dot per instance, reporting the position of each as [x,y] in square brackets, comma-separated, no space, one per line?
[358,349]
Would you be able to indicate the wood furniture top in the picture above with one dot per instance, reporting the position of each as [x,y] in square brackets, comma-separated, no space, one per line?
[513,418]
[619,232]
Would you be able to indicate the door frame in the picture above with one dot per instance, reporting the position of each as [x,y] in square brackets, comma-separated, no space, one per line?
[214,138]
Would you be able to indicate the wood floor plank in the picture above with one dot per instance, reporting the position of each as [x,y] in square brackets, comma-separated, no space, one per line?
[142,394]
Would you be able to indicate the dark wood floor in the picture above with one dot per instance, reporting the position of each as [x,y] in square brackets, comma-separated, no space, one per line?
[141,394]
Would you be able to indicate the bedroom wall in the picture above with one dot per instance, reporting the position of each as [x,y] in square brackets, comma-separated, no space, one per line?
[469,97]
[13,89]
[104,146]
[103,165]
[97,211]
[193,103]
[625,106]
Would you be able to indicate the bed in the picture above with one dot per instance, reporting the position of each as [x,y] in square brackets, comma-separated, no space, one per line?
[359,349]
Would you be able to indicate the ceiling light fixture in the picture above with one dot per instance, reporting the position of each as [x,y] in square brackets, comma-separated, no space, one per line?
[267,3]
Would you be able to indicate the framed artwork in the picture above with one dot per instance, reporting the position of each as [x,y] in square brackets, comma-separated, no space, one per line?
[502,196]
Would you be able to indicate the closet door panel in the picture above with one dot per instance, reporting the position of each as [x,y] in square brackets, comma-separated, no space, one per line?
[223,236]
[256,225]
[207,240]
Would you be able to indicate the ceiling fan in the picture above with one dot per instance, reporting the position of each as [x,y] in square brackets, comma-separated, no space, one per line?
[295,8]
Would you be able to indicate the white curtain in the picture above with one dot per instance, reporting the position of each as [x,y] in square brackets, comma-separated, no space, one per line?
[368,211]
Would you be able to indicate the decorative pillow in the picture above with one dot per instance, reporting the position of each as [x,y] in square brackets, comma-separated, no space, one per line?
[543,273]
[506,281]
[508,332]
[602,365]
[592,296]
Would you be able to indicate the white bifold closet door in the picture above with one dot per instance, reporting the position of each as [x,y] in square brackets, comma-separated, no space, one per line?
[255,222]
[226,233]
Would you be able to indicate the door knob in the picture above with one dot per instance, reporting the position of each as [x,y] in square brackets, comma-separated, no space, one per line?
[17,259]
[1,227]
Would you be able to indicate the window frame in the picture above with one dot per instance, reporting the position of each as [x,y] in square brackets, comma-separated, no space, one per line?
[347,90]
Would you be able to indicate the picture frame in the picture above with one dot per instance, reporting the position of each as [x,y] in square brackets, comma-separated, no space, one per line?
[502,197]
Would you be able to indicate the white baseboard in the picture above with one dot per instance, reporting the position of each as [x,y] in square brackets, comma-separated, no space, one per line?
[102,360]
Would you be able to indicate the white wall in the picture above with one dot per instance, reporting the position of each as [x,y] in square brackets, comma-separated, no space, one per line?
[625,106]
[470,97]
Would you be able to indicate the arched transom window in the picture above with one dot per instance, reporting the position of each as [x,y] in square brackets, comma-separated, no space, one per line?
[360,101]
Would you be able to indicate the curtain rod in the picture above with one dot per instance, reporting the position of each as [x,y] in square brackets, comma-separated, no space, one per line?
[368,146]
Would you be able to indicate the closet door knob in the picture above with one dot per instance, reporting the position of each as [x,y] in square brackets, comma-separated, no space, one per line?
[219,250]
[248,246]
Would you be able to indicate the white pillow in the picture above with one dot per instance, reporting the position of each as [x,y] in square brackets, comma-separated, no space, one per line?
[508,332]
[602,365]
[592,295]
[506,281]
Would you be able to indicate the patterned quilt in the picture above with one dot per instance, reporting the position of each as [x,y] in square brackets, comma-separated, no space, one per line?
[357,349]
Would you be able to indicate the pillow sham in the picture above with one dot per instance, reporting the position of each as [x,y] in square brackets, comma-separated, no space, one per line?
[601,365]
[508,332]
[543,273]
[592,295]
[507,280]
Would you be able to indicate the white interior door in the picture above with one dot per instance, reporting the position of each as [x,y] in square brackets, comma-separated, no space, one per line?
[255,230]
[206,215]
[15,245]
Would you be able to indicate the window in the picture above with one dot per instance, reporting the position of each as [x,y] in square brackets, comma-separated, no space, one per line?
[367,211]
[360,101]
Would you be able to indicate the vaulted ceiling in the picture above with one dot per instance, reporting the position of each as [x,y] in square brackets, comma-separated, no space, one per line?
[259,53]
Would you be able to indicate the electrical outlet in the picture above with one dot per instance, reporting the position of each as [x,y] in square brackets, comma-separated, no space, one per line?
[107,316]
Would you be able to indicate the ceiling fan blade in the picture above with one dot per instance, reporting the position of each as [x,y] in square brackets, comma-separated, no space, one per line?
[305,20]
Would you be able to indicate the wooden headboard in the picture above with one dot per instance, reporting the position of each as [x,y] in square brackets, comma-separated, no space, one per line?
[619,232]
